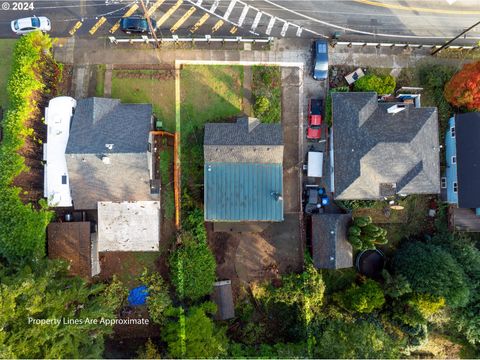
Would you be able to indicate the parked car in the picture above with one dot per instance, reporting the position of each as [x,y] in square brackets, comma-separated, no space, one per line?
[27,25]
[315,108]
[320,60]
[136,24]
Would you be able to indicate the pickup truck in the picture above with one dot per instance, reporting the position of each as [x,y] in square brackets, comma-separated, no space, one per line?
[315,107]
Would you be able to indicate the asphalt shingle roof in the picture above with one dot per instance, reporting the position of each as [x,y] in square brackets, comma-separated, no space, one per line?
[96,123]
[330,247]
[467,132]
[375,150]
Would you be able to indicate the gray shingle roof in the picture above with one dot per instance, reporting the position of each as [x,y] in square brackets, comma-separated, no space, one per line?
[374,150]
[330,247]
[100,121]
[96,123]
[246,141]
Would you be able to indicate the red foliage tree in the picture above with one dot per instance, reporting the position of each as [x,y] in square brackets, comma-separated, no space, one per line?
[463,89]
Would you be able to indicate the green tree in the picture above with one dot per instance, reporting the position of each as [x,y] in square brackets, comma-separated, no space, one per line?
[149,351]
[363,299]
[194,334]
[158,300]
[45,292]
[395,286]
[382,85]
[192,264]
[363,340]
[431,270]
[364,235]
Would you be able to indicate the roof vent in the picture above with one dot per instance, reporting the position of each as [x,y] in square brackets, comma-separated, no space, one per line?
[396,108]
[332,258]
[109,146]
[106,160]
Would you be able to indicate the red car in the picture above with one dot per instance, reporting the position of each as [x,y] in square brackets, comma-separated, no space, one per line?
[314,131]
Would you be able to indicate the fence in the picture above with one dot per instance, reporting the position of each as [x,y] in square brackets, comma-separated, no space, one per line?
[400,45]
[205,39]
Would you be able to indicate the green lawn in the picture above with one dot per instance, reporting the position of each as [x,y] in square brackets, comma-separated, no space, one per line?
[156,87]
[6,52]
[100,80]
[208,94]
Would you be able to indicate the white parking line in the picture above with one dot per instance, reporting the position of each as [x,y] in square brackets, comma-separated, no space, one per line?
[229,9]
[214,6]
[270,25]
[284,29]
[299,31]
[243,15]
[256,21]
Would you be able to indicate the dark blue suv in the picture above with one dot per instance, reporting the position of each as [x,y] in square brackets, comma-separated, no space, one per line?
[320,60]
[136,24]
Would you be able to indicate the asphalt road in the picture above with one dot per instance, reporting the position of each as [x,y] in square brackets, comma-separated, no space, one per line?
[387,20]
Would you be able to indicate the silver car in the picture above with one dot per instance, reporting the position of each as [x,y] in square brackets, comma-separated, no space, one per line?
[26,25]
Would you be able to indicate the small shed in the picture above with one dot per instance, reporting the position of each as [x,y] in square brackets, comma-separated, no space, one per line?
[223,297]
[315,164]
[70,241]
[330,247]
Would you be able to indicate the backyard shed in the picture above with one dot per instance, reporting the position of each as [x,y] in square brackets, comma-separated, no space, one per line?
[70,241]
[222,296]
[330,247]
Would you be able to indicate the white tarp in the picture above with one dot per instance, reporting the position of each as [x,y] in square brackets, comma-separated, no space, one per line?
[56,182]
[315,164]
[128,226]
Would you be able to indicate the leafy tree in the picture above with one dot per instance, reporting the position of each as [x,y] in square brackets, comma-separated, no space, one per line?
[363,299]
[192,264]
[382,85]
[44,292]
[361,339]
[395,286]
[194,334]
[431,270]
[149,351]
[364,235]
[267,351]
[158,300]
[463,89]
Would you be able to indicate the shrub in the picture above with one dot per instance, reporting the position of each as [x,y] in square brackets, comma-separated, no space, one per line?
[262,105]
[463,89]
[266,93]
[363,299]
[158,300]
[382,85]
[364,235]
[22,228]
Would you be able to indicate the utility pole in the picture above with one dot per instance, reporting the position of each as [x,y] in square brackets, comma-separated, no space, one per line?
[455,38]
[152,30]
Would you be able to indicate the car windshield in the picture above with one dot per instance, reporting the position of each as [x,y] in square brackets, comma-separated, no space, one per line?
[15,25]
[35,22]
[321,47]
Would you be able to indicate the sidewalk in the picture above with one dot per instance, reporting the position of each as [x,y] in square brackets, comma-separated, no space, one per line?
[290,51]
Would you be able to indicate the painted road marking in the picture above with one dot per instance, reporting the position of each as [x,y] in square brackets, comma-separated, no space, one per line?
[243,15]
[200,22]
[270,25]
[183,19]
[75,27]
[419,9]
[233,30]
[217,26]
[229,9]
[154,7]
[256,21]
[284,29]
[214,6]
[299,31]
[169,13]
[99,23]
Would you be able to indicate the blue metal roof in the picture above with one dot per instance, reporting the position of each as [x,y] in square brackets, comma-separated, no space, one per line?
[243,192]
[451,171]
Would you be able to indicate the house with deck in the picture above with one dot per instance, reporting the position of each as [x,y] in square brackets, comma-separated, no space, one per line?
[98,171]
[243,171]
[462,172]
[382,149]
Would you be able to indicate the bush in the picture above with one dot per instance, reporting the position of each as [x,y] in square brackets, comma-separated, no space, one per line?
[364,235]
[262,105]
[382,85]
[463,89]
[267,93]
[22,228]
[158,300]
[362,299]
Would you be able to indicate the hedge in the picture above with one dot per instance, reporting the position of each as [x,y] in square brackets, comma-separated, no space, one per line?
[22,228]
